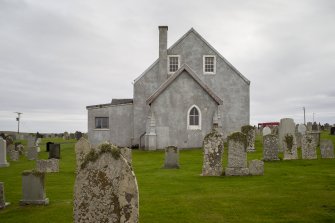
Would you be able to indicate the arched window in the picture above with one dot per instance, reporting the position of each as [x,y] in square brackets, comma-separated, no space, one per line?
[194,118]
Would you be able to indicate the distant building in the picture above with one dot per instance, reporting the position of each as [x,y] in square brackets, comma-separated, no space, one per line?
[187,91]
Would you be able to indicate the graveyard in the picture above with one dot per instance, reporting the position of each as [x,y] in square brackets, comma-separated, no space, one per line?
[289,191]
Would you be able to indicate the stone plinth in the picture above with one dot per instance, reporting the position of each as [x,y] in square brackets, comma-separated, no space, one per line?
[270,147]
[33,188]
[105,188]
[171,157]
[308,147]
[327,149]
[47,166]
[237,155]
[256,167]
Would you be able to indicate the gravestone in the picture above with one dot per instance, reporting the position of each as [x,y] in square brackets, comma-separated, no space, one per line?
[316,137]
[54,151]
[266,131]
[127,154]
[48,146]
[298,137]
[237,155]
[308,147]
[290,147]
[302,129]
[47,166]
[3,155]
[327,149]
[315,127]
[256,167]
[286,126]
[309,126]
[212,152]
[20,148]
[105,188]
[270,147]
[32,153]
[33,188]
[14,155]
[275,130]
[249,131]
[332,131]
[171,157]
[37,144]
[3,202]
[82,148]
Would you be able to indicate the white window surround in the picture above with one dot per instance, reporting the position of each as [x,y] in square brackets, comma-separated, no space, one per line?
[214,64]
[193,127]
[168,63]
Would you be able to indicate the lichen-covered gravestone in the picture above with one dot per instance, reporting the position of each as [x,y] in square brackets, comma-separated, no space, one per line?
[256,167]
[105,188]
[327,149]
[266,131]
[3,158]
[3,202]
[308,147]
[47,166]
[286,126]
[316,137]
[212,152]
[171,157]
[82,148]
[237,155]
[270,147]
[13,153]
[127,154]
[290,147]
[33,188]
[250,132]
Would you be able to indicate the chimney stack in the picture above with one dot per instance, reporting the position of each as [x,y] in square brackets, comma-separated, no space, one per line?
[163,51]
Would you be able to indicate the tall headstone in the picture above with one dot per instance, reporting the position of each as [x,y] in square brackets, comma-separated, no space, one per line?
[171,157]
[48,146]
[105,188]
[249,131]
[14,155]
[266,131]
[82,148]
[47,166]
[32,153]
[290,147]
[302,129]
[54,151]
[3,202]
[33,189]
[37,144]
[237,155]
[308,147]
[309,126]
[270,147]
[327,149]
[3,155]
[316,136]
[286,126]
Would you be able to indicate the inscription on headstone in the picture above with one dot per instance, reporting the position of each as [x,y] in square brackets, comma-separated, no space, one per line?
[270,147]
[290,147]
[308,147]
[327,149]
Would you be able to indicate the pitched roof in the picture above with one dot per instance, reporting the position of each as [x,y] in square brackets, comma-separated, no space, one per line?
[170,80]
[211,47]
[117,101]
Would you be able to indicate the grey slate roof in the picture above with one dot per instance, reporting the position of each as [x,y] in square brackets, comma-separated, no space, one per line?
[113,103]
[170,80]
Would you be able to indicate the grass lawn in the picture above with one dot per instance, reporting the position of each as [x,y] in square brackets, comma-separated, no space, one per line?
[290,191]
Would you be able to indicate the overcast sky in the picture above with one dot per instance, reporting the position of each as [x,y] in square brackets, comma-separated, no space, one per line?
[57,57]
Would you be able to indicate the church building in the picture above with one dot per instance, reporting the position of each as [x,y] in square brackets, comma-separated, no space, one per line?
[190,89]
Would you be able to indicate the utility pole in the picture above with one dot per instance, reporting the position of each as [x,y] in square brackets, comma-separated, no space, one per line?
[313,116]
[304,116]
[18,121]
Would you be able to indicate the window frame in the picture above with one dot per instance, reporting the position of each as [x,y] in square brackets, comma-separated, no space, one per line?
[194,127]
[102,127]
[204,64]
[168,63]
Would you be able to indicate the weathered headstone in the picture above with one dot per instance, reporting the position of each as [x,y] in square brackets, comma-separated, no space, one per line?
[54,151]
[315,127]
[256,167]
[171,157]
[47,148]
[14,155]
[302,129]
[308,147]
[105,188]
[237,155]
[286,126]
[212,152]
[37,144]
[82,148]
[66,136]
[47,166]
[3,155]
[249,131]
[3,202]
[327,149]
[32,153]
[127,154]
[316,137]
[266,131]
[20,149]
[298,138]
[33,188]
[290,147]
[332,131]
[270,147]
[275,130]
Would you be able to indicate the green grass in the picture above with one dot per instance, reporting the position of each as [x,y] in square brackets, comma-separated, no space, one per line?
[290,191]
